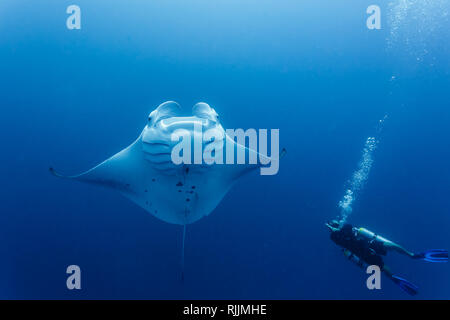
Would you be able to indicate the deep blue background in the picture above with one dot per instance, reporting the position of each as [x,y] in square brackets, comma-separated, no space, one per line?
[311,68]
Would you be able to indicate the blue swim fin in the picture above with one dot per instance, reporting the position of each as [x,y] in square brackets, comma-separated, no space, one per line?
[406,286]
[434,255]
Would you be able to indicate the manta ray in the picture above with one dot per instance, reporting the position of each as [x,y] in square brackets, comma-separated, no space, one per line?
[145,173]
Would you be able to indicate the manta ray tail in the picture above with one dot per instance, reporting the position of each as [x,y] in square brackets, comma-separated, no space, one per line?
[182,253]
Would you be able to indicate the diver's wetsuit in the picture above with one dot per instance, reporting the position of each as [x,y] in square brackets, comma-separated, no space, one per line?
[370,251]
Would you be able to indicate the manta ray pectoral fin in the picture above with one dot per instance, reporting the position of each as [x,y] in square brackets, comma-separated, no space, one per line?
[259,160]
[94,176]
[90,176]
[73,177]
[113,172]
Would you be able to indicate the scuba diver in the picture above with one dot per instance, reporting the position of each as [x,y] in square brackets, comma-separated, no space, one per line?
[364,248]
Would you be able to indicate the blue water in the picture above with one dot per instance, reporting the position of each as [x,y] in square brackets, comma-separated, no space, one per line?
[72,98]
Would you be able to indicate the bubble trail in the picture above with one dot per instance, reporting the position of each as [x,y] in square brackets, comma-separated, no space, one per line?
[360,176]
[414,25]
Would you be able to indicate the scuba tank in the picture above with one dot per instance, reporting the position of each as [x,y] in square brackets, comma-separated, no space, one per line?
[376,243]
[369,235]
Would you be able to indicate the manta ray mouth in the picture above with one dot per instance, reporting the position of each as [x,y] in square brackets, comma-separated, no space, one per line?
[187,123]
[158,140]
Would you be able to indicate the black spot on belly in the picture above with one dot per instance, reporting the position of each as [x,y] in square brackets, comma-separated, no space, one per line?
[127,185]
[153,179]
[145,190]
[179,190]
[187,199]
[179,184]
[193,187]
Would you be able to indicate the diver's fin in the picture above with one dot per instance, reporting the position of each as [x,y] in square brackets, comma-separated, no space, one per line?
[405,285]
[182,254]
[434,255]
